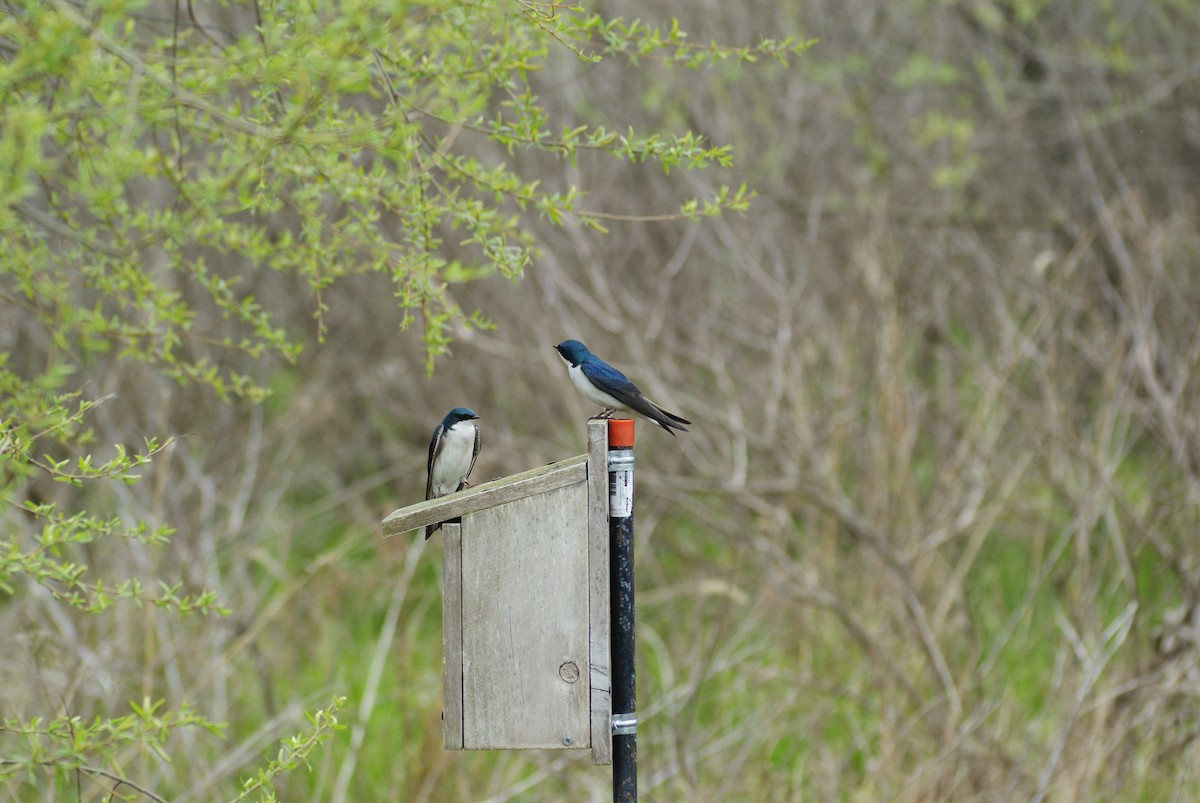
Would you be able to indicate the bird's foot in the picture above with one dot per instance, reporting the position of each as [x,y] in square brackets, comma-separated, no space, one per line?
[606,413]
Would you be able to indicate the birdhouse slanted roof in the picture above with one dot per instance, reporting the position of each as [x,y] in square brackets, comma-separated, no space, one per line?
[489,494]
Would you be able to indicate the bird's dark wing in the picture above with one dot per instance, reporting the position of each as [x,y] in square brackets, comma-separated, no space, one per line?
[671,415]
[435,446]
[474,457]
[616,384]
[666,420]
[609,379]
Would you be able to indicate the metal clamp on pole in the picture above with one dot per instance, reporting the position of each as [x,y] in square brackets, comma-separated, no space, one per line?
[620,461]
[620,484]
[624,724]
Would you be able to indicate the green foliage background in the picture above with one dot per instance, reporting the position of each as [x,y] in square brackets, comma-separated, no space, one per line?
[930,539]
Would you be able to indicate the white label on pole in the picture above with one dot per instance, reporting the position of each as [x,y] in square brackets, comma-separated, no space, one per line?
[620,499]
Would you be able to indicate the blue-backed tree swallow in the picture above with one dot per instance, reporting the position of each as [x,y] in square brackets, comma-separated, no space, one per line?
[452,454]
[600,382]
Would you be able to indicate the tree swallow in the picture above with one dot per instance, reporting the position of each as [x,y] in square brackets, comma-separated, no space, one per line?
[600,382]
[452,454]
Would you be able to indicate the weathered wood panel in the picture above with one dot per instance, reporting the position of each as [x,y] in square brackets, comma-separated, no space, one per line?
[525,609]
[452,655]
[489,494]
[599,630]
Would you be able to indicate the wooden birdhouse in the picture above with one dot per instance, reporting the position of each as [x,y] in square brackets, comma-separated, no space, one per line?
[525,606]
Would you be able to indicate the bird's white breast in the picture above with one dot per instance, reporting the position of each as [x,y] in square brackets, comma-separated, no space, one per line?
[453,461]
[590,391]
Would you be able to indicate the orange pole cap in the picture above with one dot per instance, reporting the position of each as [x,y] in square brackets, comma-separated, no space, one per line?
[620,432]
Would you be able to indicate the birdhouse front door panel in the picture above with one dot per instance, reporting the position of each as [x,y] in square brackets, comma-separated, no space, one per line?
[525,623]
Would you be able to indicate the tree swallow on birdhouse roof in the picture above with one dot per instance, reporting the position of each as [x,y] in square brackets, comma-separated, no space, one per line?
[452,454]
[600,382]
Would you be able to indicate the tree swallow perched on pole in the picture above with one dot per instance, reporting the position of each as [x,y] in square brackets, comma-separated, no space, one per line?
[452,454]
[600,382]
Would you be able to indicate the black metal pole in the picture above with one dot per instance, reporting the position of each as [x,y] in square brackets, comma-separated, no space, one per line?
[620,528]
